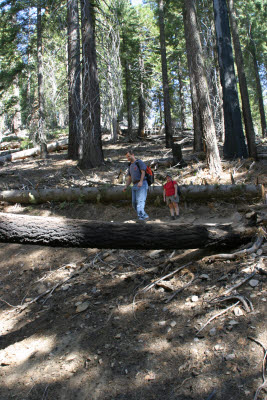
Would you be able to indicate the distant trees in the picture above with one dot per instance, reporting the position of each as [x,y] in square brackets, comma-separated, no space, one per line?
[138,68]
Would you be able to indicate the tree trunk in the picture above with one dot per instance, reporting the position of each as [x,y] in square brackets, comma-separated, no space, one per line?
[250,134]
[181,95]
[189,193]
[92,154]
[58,232]
[194,43]
[234,145]
[129,100]
[198,140]
[258,83]
[165,81]
[74,80]
[141,99]
[41,135]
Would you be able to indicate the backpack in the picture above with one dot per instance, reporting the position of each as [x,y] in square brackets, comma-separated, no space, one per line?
[149,174]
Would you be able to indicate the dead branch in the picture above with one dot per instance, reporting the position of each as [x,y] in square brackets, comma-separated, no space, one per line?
[264,384]
[148,287]
[181,289]
[248,306]
[217,315]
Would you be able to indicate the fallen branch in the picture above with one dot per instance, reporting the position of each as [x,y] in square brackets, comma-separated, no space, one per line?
[244,300]
[148,287]
[216,316]
[181,289]
[264,384]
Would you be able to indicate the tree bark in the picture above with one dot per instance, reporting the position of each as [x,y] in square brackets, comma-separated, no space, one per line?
[41,135]
[58,232]
[190,193]
[234,145]
[74,80]
[194,43]
[141,98]
[258,83]
[165,81]
[250,134]
[181,95]
[92,154]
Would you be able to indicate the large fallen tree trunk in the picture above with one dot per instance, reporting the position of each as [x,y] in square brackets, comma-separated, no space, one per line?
[61,232]
[206,193]
[59,145]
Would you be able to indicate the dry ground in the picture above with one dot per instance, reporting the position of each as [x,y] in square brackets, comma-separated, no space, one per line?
[100,335]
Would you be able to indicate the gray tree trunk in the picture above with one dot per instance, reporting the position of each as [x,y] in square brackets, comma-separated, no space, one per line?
[92,154]
[41,135]
[194,43]
[74,80]
[141,99]
[250,134]
[234,145]
[165,81]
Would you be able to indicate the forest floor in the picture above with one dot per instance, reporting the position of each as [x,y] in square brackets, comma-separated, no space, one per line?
[104,334]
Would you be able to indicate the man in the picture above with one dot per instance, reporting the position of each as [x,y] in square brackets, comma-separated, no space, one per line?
[136,175]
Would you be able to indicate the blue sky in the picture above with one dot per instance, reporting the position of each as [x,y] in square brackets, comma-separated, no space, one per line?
[136,2]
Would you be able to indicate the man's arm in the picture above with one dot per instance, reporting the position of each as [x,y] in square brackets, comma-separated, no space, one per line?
[128,182]
[140,183]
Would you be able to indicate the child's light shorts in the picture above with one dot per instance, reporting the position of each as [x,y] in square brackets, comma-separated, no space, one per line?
[172,199]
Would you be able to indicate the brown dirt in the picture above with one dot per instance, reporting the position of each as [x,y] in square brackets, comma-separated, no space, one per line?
[127,343]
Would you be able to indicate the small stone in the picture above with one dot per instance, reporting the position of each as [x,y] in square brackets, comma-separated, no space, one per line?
[118,336]
[218,347]
[230,357]
[212,332]
[162,323]
[233,322]
[264,299]
[204,277]
[194,299]
[238,311]
[82,307]
[254,282]
[173,323]
[259,252]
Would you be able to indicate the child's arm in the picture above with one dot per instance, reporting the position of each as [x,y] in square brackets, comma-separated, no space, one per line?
[164,194]
[175,189]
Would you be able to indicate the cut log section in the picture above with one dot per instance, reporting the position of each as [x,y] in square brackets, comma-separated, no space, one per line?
[60,232]
[190,193]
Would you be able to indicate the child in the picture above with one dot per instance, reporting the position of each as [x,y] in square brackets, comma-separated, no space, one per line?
[170,196]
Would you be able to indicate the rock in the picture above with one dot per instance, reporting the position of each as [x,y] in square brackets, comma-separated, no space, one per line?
[173,323]
[212,332]
[230,357]
[204,277]
[254,282]
[82,307]
[162,323]
[259,252]
[194,299]
[238,311]
[233,322]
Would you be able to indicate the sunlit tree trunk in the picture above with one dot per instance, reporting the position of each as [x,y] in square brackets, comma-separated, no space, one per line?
[74,81]
[234,144]
[181,95]
[194,44]
[167,105]
[250,134]
[91,154]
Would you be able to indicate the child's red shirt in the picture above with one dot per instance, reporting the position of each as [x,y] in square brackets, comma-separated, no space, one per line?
[169,188]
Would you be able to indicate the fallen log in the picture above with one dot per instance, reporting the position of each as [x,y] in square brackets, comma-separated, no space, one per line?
[19,155]
[60,232]
[190,193]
